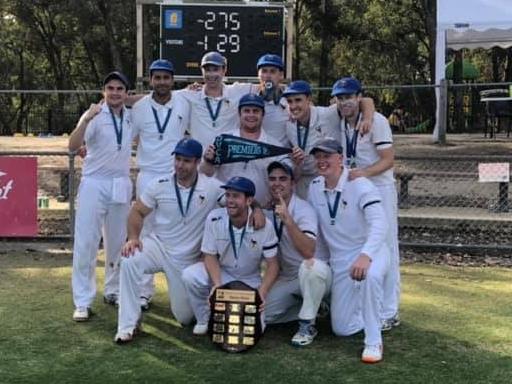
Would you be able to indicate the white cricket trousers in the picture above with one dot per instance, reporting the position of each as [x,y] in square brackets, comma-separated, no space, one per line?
[198,285]
[356,305]
[97,212]
[152,259]
[299,298]
[391,285]
[147,285]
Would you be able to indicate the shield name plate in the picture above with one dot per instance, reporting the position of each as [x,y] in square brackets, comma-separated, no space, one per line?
[235,321]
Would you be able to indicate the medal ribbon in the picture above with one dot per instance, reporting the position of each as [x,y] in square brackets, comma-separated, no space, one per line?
[118,129]
[215,115]
[178,196]
[301,142]
[161,128]
[333,210]
[233,241]
[278,228]
[351,143]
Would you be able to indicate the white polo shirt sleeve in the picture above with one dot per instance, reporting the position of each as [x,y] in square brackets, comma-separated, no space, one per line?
[270,241]
[382,137]
[149,196]
[306,219]
[208,244]
[370,203]
[90,130]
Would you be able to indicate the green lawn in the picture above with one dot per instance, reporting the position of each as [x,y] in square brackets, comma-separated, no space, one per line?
[456,329]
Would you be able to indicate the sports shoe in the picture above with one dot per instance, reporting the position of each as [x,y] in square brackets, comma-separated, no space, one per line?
[126,337]
[111,299]
[145,303]
[200,329]
[390,323]
[305,335]
[82,314]
[372,354]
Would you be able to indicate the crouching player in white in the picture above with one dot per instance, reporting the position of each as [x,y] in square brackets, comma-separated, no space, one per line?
[181,205]
[353,224]
[303,280]
[233,250]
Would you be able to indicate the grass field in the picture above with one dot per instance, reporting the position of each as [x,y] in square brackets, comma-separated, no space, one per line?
[456,329]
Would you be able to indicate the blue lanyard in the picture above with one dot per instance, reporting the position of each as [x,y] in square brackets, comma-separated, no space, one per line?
[215,115]
[351,143]
[278,228]
[233,242]
[161,129]
[333,210]
[119,130]
[178,196]
[301,142]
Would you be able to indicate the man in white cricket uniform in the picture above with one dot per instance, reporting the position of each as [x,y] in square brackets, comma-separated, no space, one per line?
[232,250]
[303,280]
[181,203]
[160,120]
[213,109]
[371,155]
[104,194]
[251,110]
[353,224]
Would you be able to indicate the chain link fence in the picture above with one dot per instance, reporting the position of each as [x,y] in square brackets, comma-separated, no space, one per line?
[461,201]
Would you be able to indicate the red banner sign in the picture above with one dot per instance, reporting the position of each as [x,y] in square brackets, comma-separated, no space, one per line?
[18,196]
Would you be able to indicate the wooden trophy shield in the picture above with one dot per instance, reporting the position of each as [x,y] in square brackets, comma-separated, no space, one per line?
[235,319]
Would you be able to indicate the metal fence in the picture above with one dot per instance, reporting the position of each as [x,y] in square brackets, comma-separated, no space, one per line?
[442,202]
[56,112]
[445,200]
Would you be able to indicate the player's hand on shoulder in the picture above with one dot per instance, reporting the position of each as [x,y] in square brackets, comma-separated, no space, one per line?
[194,86]
[354,173]
[364,126]
[257,219]
[130,247]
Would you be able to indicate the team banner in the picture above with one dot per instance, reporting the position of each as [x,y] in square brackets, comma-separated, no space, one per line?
[235,320]
[232,149]
[18,196]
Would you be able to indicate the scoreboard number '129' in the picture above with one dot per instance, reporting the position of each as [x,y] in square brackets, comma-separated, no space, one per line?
[240,32]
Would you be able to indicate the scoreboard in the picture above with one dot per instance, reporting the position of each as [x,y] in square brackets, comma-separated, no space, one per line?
[242,32]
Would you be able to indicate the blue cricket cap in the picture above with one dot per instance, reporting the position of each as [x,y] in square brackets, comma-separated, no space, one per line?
[299,87]
[116,75]
[241,184]
[328,146]
[253,100]
[270,60]
[161,65]
[346,86]
[188,148]
[213,58]
[280,165]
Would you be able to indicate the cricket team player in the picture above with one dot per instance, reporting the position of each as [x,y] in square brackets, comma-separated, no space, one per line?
[181,203]
[160,120]
[371,155]
[353,224]
[104,194]
[303,279]
[232,250]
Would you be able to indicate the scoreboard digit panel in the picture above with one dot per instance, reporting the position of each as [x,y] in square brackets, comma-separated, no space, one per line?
[242,33]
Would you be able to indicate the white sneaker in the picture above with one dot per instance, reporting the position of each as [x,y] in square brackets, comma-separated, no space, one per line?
[200,329]
[372,354]
[81,314]
[305,335]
